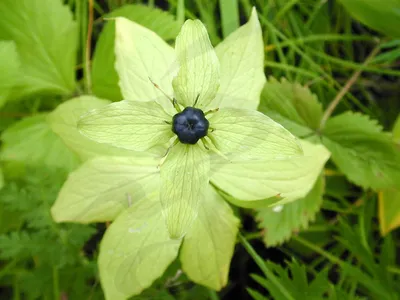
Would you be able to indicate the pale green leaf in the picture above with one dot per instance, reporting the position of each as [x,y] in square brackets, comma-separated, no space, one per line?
[250,135]
[291,105]
[104,186]
[104,76]
[285,179]
[384,18]
[32,141]
[142,57]
[184,180]
[389,210]
[46,38]
[135,250]
[360,149]
[208,246]
[241,56]
[131,125]
[280,222]
[10,63]
[64,121]
[389,199]
[198,78]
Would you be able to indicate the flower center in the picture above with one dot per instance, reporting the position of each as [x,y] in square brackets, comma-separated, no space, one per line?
[190,125]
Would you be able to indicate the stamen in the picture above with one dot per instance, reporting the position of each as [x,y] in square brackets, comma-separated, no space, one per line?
[172,100]
[195,101]
[166,153]
[211,111]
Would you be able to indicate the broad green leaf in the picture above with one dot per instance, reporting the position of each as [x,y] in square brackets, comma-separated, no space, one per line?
[46,38]
[130,125]
[10,63]
[64,121]
[286,178]
[360,149]
[241,56]
[208,246]
[381,16]
[184,180]
[135,250]
[280,222]
[198,78]
[32,141]
[104,76]
[142,57]
[104,186]
[389,212]
[250,135]
[291,105]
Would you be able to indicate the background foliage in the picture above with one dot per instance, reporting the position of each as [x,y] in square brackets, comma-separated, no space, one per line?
[333,78]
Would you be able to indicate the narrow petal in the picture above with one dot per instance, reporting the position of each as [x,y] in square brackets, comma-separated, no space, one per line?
[198,74]
[141,54]
[135,250]
[184,180]
[270,181]
[208,246]
[128,124]
[104,186]
[241,56]
[250,135]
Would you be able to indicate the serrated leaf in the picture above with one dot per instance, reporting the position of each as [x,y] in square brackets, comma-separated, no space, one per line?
[208,246]
[47,45]
[32,142]
[374,276]
[280,222]
[360,149]
[292,105]
[10,63]
[135,250]
[256,295]
[104,76]
[64,122]
[295,280]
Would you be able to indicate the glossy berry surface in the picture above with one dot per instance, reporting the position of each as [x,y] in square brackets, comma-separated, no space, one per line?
[190,125]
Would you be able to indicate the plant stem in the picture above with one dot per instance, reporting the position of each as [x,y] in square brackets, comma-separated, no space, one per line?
[88,49]
[56,287]
[346,88]
[213,295]
[180,11]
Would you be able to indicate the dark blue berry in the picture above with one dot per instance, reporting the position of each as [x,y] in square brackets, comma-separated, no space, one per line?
[190,125]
